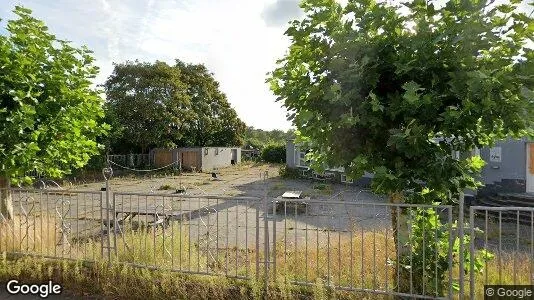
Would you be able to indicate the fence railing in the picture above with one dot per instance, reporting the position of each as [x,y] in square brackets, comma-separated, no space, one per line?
[131,160]
[508,234]
[379,248]
[212,235]
[55,224]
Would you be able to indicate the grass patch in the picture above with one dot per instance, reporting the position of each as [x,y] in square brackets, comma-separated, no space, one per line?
[117,281]
[323,188]
[359,260]
[289,173]
[32,234]
[202,182]
[166,187]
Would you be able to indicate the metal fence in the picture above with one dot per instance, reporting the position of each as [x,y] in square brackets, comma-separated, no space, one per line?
[345,245]
[131,160]
[508,234]
[54,224]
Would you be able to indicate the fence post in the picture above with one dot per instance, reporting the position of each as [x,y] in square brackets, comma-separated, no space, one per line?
[472,253]
[257,241]
[115,226]
[107,172]
[267,256]
[461,238]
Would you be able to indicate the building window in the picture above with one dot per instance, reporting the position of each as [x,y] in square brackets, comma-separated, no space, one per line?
[300,158]
[206,151]
[345,180]
[216,151]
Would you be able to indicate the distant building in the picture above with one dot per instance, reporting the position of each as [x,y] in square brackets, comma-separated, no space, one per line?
[295,158]
[203,159]
[509,166]
[250,154]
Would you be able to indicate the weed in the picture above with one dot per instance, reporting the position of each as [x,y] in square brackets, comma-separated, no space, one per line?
[360,260]
[289,173]
[165,187]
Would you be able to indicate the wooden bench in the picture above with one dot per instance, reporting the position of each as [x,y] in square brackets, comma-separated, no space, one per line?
[160,218]
[291,202]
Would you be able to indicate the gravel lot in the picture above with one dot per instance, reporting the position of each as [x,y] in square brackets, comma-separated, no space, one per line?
[228,220]
[235,217]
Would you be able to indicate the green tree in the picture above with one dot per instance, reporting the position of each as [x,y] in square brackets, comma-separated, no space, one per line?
[148,105]
[258,138]
[394,89]
[274,153]
[49,113]
[216,123]
[158,105]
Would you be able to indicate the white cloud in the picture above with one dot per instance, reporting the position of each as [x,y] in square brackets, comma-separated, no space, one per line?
[229,37]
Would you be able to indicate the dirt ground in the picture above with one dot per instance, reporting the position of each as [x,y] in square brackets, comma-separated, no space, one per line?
[246,179]
[235,217]
[230,211]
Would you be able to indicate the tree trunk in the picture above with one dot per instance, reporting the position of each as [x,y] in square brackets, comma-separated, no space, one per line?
[6,202]
[401,235]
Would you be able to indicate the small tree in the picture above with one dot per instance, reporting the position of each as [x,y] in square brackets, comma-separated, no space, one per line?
[273,153]
[394,90]
[49,114]
[148,104]
[156,104]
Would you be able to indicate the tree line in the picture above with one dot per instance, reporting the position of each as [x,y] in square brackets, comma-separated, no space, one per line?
[258,139]
[161,105]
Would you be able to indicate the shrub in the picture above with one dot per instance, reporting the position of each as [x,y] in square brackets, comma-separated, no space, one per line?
[273,153]
[165,187]
[288,173]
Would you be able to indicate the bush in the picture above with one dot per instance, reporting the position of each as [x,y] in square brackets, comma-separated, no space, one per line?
[289,173]
[274,153]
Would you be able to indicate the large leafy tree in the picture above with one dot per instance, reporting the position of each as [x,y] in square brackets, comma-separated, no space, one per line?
[395,89]
[158,105]
[216,122]
[147,105]
[49,113]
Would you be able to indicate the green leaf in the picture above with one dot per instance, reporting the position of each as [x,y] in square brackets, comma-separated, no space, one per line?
[47,91]
[375,103]
[411,89]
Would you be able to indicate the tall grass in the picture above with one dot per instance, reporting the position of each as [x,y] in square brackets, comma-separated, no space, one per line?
[363,259]
[28,234]
[358,260]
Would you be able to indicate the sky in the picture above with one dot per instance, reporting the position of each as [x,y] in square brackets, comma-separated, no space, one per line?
[238,40]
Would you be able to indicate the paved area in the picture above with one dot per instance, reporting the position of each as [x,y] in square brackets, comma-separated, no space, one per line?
[4,295]
[236,218]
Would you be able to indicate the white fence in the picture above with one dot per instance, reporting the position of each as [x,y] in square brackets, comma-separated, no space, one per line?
[347,245]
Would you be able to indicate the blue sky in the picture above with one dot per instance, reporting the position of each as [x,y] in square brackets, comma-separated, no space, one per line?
[238,40]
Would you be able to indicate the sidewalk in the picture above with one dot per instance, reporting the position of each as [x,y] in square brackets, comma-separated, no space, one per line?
[4,295]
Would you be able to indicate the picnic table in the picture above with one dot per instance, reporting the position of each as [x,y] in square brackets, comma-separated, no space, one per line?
[158,216]
[291,202]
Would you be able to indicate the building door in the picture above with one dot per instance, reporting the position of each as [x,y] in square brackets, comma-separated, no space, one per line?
[163,158]
[530,167]
[190,160]
[234,157]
